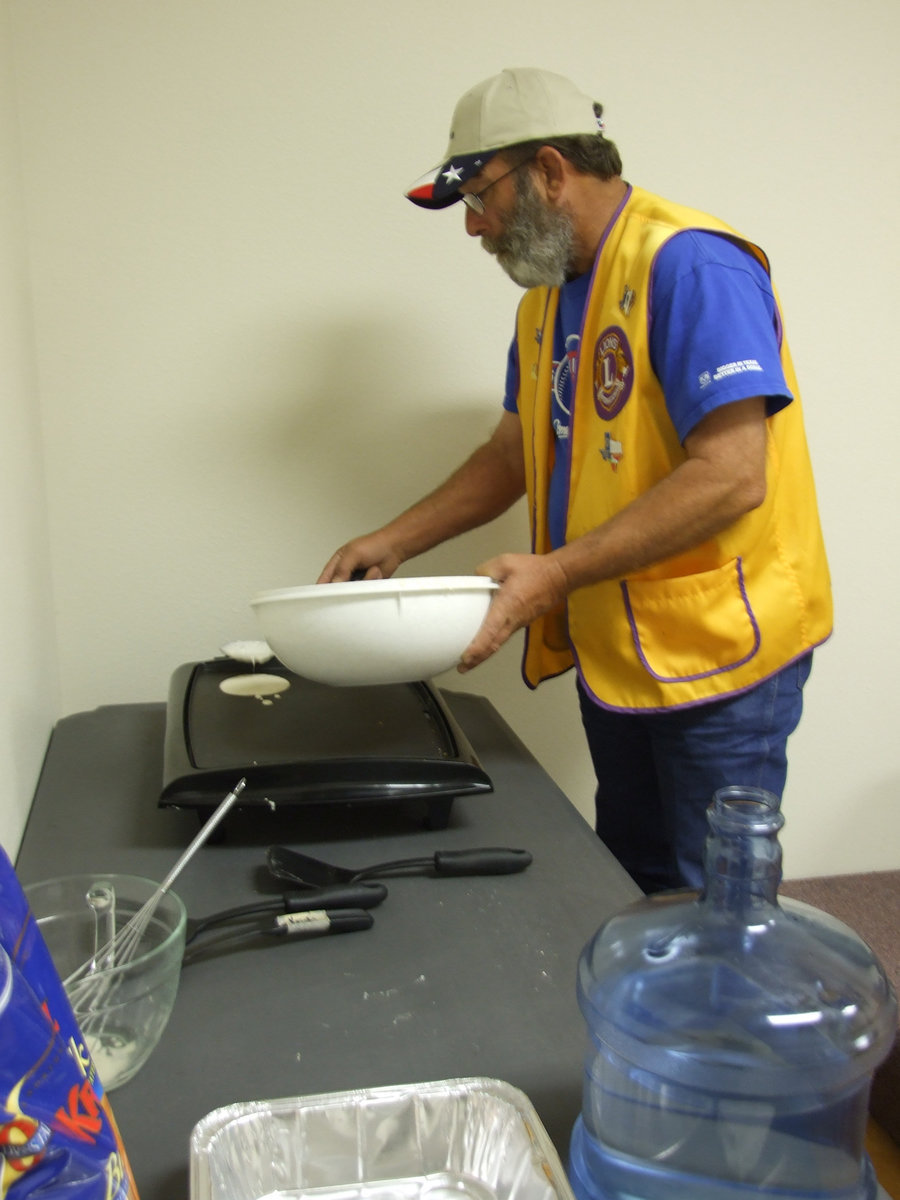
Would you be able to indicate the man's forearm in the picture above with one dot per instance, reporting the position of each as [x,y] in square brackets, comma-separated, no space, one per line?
[722,479]
[483,488]
[682,511]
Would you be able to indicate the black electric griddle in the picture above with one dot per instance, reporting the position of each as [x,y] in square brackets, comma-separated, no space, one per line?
[312,744]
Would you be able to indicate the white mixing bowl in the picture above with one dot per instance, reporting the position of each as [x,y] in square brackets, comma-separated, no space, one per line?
[374,631]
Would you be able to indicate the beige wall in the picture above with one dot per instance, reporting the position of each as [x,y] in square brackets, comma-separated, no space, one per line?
[250,347]
[28,677]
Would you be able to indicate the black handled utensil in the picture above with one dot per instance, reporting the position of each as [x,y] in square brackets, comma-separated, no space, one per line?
[305,871]
[289,926]
[330,899]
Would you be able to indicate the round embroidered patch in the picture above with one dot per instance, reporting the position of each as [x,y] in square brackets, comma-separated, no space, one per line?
[613,372]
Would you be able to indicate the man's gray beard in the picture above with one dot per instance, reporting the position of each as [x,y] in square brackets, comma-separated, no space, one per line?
[535,249]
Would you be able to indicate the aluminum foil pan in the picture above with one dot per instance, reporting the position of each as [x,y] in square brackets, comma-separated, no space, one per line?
[458,1139]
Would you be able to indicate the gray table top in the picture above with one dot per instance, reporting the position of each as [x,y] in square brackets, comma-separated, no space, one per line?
[458,976]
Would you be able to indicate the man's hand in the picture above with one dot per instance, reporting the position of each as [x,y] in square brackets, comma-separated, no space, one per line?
[369,557]
[530,585]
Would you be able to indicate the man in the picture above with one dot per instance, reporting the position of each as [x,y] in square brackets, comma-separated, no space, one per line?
[652,418]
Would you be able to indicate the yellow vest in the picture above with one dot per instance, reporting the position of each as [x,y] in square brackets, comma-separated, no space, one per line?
[706,623]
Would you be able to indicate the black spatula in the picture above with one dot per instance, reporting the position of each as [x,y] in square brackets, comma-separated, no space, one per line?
[305,871]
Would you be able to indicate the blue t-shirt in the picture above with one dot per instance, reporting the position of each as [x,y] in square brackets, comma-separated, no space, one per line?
[715,337]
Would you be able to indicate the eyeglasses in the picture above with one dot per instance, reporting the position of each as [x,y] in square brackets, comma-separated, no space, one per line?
[473,200]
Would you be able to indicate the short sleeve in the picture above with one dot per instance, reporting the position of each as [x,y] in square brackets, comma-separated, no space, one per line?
[511,394]
[715,329]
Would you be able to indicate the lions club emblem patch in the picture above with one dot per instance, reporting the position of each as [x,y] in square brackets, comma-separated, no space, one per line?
[613,372]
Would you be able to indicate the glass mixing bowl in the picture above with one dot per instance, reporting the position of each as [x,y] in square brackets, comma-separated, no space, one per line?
[121,1009]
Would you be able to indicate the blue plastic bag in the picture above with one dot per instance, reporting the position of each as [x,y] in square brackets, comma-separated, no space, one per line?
[58,1136]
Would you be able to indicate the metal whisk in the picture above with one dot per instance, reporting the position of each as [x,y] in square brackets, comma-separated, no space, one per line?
[94,974]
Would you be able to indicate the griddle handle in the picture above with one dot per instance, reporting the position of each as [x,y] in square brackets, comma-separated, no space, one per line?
[489,861]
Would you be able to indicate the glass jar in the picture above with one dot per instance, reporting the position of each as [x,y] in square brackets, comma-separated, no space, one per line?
[732,1037]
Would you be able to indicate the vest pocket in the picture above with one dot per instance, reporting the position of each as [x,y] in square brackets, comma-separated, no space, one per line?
[692,626]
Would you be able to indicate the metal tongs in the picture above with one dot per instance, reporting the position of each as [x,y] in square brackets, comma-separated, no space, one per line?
[304,871]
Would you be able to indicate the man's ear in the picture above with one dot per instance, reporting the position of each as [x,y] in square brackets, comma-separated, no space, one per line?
[552,169]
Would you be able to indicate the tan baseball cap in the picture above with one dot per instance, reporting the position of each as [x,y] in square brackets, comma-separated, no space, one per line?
[518,105]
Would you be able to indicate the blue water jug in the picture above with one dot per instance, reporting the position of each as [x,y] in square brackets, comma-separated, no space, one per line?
[732,1037]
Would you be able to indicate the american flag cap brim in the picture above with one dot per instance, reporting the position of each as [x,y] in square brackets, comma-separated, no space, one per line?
[440,188]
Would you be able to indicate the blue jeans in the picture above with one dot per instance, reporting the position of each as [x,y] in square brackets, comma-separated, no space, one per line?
[657,772]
